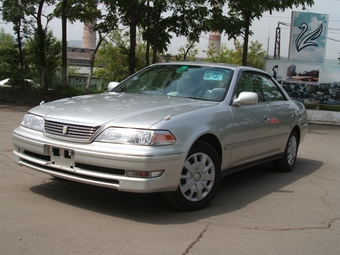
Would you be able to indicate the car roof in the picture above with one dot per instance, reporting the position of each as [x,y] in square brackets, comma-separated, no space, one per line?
[211,64]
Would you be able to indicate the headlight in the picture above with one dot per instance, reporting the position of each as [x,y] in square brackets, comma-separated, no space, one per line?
[33,122]
[136,136]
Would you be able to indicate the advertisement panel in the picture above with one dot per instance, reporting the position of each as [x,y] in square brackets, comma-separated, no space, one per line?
[307,82]
[308,37]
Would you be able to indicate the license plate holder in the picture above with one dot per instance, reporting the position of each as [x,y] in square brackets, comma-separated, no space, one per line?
[61,157]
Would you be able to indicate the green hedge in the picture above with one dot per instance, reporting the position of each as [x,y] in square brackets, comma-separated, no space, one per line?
[324,107]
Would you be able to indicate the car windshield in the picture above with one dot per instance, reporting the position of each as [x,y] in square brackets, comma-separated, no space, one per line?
[190,81]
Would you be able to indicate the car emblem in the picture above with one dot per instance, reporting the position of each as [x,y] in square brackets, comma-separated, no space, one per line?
[64,130]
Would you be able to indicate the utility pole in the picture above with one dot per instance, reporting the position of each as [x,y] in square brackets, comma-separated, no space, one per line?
[277,45]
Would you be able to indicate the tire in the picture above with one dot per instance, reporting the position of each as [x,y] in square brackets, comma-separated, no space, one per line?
[199,181]
[287,162]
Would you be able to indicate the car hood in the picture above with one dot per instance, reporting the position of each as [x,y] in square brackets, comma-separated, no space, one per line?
[118,109]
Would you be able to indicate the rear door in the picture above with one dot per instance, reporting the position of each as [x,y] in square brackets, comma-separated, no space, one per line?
[281,117]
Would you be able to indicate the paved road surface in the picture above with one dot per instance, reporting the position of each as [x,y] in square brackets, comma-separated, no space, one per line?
[256,211]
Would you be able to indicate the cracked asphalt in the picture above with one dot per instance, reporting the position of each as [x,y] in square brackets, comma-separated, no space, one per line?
[256,211]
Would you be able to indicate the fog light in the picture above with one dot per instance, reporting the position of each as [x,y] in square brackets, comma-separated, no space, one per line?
[145,174]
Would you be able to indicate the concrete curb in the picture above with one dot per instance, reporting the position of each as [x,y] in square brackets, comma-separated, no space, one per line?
[323,117]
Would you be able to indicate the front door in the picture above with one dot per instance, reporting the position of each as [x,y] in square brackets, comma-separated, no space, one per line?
[251,134]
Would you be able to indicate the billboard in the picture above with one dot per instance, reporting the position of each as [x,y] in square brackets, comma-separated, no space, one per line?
[308,82]
[308,37]
[296,71]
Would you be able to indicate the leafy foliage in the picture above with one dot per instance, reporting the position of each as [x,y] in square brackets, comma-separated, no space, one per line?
[52,53]
[113,56]
[157,20]
[8,55]
[244,13]
[256,56]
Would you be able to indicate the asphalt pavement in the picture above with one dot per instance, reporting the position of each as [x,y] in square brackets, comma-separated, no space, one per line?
[256,211]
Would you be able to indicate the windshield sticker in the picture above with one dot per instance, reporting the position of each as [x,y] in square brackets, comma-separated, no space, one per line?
[182,69]
[211,75]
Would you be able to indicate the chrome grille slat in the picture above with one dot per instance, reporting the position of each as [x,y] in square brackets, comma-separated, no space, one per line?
[73,131]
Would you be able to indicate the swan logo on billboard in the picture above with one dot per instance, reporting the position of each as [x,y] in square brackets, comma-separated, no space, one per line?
[308,37]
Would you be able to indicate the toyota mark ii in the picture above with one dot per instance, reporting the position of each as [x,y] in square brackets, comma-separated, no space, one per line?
[171,128]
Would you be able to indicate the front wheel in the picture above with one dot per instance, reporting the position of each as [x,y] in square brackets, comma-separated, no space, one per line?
[287,162]
[199,180]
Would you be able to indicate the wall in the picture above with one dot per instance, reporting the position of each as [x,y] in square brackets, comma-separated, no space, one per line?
[323,117]
[80,82]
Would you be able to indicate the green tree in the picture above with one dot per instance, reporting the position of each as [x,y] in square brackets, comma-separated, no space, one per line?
[14,11]
[8,56]
[32,14]
[256,54]
[187,52]
[130,15]
[159,18]
[52,56]
[154,28]
[113,56]
[243,14]
[102,23]
[6,40]
[72,10]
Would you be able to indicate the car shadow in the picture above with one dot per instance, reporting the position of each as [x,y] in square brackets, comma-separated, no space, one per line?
[236,191]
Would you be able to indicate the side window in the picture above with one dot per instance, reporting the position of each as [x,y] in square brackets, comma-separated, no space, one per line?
[249,81]
[270,91]
[245,83]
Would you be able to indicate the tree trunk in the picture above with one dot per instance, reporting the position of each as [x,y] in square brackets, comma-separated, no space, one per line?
[156,36]
[135,12]
[147,53]
[64,45]
[41,39]
[92,59]
[89,77]
[21,56]
[133,36]
[246,39]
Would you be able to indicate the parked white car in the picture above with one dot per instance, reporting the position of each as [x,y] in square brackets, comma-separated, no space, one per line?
[4,83]
[173,128]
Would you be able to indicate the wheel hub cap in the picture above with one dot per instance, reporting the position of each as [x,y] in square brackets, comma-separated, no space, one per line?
[197,177]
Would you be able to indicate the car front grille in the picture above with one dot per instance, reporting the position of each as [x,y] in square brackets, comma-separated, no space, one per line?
[70,130]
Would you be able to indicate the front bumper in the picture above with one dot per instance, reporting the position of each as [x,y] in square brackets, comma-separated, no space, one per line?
[100,164]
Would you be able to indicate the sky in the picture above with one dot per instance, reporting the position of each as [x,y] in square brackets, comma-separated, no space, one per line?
[264,30]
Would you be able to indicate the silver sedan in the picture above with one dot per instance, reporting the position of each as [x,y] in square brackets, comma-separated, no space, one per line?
[173,128]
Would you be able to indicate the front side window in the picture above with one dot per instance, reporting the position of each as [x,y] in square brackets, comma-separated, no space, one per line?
[265,88]
[199,82]
[270,91]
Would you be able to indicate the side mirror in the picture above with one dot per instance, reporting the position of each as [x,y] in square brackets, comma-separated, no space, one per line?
[112,85]
[246,98]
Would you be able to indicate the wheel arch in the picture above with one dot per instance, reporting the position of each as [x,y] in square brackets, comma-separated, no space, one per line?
[214,142]
[298,133]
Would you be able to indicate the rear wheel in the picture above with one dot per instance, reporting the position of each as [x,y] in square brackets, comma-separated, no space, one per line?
[287,162]
[199,181]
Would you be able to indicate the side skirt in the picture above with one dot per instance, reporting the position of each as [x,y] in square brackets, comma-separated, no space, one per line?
[248,165]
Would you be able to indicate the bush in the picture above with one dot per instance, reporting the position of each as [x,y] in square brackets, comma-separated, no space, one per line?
[323,107]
